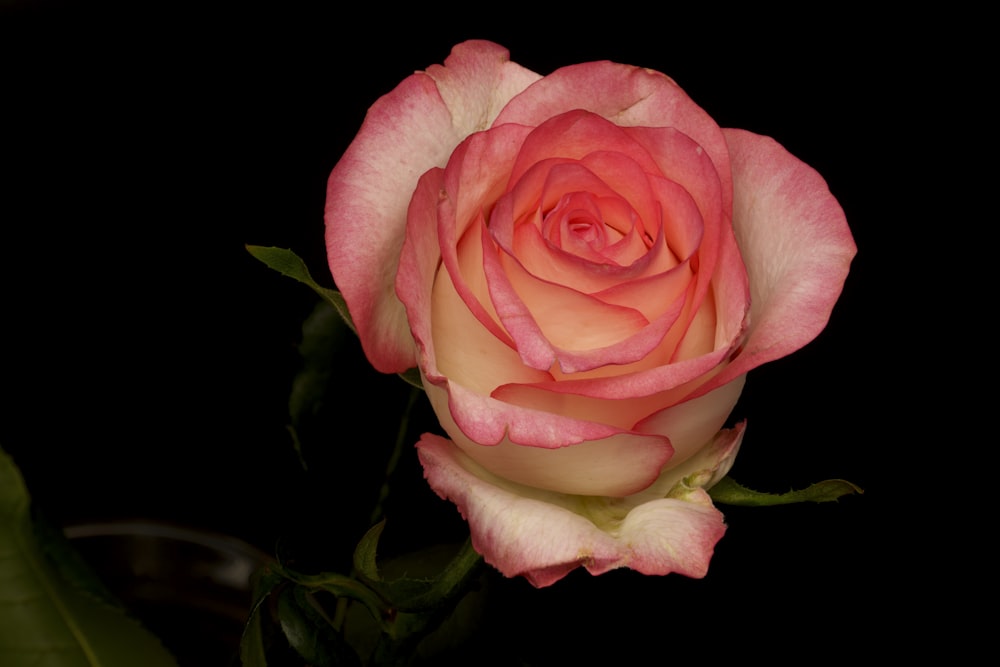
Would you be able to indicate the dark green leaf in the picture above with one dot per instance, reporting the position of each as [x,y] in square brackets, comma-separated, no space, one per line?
[289,264]
[253,643]
[729,492]
[366,551]
[449,585]
[47,620]
[323,333]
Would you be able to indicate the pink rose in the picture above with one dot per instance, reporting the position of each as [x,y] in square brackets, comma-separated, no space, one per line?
[584,267]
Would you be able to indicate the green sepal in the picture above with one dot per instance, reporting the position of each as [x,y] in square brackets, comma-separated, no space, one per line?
[49,613]
[729,492]
[287,263]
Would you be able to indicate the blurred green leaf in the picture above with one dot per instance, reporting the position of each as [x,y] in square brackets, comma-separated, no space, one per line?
[289,264]
[48,619]
[729,492]
[365,554]
[322,336]
[412,376]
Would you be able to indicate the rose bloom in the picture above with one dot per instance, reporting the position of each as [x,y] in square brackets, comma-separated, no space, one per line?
[584,267]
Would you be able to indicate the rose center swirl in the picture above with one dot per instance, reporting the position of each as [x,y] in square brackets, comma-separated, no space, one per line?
[595,228]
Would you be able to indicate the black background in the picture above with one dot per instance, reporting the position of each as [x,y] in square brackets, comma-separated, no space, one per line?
[147,357]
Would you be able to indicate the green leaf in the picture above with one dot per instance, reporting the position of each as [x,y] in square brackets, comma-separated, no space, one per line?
[46,619]
[253,651]
[449,585]
[310,633]
[255,639]
[365,553]
[729,492]
[289,264]
[340,585]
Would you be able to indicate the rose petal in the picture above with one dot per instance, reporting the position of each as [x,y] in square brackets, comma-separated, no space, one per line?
[477,168]
[628,96]
[468,352]
[420,256]
[548,451]
[574,135]
[692,423]
[796,246]
[567,318]
[627,286]
[405,133]
[543,536]
[703,469]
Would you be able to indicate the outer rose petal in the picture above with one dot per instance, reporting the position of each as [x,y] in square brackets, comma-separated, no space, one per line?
[408,131]
[796,246]
[543,536]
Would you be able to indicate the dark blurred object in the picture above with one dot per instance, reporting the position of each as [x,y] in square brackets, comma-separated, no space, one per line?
[190,587]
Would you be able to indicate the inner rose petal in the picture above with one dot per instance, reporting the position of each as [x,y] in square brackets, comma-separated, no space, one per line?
[632,240]
[631,184]
[540,189]
[591,273]
[575,134]
[568,318]
[467,352]
[602,230]
[576,222]
[651,295]
[476,174]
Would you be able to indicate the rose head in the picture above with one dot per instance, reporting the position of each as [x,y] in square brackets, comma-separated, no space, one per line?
[584,267]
